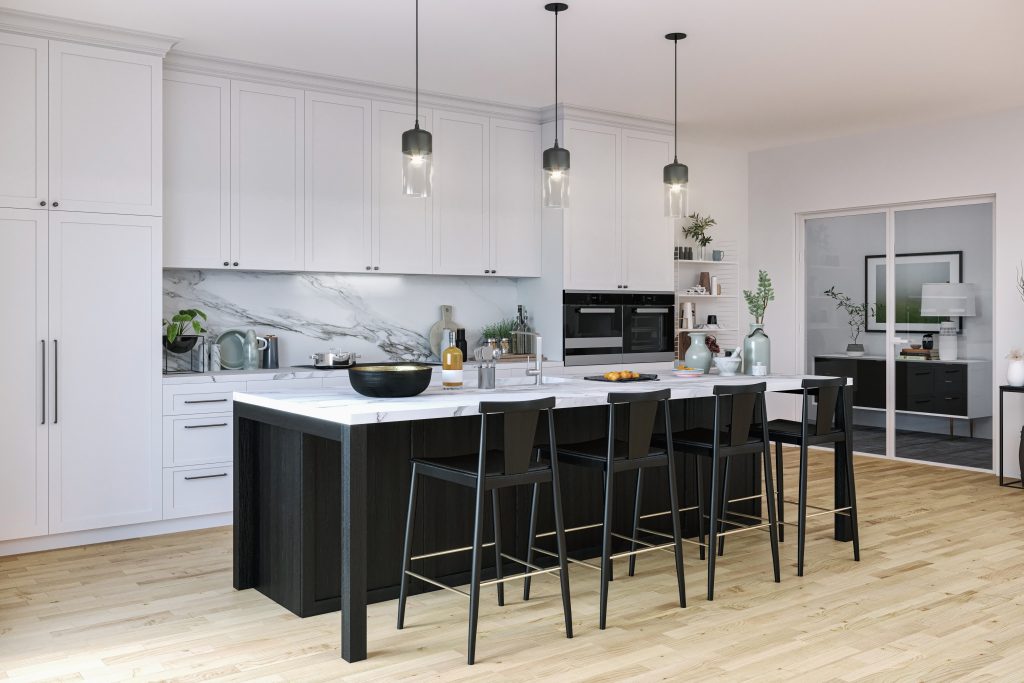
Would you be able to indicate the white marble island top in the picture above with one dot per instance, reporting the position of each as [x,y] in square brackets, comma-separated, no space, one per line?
[342,405]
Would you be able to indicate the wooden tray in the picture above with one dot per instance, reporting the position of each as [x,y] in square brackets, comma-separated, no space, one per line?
[641,378]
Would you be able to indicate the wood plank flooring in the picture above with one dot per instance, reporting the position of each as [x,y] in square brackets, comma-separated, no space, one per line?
[938,595]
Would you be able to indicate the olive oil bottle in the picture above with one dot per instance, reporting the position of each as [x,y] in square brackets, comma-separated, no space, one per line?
[451,363]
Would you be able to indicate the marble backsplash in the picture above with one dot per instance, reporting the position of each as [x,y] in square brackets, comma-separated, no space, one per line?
[380,317]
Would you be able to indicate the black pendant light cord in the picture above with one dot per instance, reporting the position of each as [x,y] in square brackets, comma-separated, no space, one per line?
[675,99]
[417,63]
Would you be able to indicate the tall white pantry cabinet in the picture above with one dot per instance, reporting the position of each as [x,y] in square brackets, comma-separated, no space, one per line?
[80,264]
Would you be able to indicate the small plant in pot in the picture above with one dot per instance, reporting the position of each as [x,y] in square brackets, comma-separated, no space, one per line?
[696,229]
[183,330]
[856,318]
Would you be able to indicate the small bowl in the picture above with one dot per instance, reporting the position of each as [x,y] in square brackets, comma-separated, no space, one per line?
[727,365]
[390,380]
[915,346]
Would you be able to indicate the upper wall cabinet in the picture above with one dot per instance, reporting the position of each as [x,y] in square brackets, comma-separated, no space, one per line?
[197,180]
[267,176]
[106,143]
[460,194]
[402,225]
[80,127]
[647,239]
[338,167]
[515,212]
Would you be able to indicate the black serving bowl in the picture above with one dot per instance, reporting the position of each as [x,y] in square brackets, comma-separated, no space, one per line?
[390,380]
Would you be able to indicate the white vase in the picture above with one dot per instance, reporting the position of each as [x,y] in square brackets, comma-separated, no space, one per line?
[1015,373]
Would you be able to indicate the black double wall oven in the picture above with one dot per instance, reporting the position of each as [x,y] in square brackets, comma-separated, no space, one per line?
[607,328]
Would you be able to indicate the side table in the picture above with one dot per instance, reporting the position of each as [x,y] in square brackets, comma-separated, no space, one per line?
[1003,390]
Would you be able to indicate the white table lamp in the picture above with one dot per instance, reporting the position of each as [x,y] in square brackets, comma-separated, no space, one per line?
[946,300]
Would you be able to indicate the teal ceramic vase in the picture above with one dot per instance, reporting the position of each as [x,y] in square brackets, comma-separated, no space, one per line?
[698,355]
[757,349]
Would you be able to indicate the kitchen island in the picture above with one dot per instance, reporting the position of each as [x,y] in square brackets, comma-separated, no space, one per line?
[319,466]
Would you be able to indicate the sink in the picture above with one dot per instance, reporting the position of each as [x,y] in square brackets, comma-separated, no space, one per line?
[525,382]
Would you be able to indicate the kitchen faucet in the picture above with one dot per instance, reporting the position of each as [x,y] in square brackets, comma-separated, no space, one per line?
[538,369]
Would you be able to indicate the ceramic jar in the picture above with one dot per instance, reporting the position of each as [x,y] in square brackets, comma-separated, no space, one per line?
[757,350]
[1015,373]
[698,355]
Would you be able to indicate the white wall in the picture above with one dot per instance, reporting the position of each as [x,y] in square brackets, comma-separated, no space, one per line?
[968,157]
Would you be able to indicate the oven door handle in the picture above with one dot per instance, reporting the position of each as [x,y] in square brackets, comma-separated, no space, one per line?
[595,310]
[650,310]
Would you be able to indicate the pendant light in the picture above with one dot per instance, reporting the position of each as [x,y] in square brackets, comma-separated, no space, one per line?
[417,144]
[556,159]
[675,175]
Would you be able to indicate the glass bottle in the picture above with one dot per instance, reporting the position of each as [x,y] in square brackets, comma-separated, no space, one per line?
[460,342]
[517,341]
[451,363]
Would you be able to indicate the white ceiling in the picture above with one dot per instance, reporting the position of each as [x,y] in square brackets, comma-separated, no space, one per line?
[753,73]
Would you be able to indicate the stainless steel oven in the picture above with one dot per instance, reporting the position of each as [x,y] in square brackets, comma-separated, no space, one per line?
[593,327]
[648,322]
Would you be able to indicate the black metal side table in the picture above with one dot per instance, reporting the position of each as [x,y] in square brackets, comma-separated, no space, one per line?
[1014,483]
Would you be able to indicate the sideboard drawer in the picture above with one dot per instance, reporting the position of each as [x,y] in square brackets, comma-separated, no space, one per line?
[924,403]
[197,491]
[950,404]
[950,379]
[197,439]
[920,381]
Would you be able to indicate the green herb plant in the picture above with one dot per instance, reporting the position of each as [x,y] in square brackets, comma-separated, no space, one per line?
[856,313]
[498,330]
[697,228]
[757,301]
[184,320]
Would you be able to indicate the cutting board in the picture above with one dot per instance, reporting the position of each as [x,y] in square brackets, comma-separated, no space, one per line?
[434,336]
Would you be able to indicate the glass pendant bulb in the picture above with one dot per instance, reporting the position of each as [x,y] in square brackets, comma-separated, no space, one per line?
[417,162]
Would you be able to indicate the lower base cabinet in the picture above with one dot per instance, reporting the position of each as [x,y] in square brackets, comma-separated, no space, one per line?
[191,491]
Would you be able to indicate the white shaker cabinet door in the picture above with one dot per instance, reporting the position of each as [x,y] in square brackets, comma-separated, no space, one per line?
[647,239]
[338,168]
[402,226]
[592,238]
[23,358]
[105,301]
[515,199]
[106,142]
[197,192]
[267,177]
[23,117]
[461,197]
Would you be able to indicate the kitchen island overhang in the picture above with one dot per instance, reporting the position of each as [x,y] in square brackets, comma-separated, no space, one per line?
[315,467]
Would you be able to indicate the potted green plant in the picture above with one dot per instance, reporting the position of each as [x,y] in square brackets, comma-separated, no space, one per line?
[757,347]
[187,320]
[856,318]
[696,229]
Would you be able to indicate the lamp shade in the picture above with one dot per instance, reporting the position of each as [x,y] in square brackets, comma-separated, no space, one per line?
[942,299]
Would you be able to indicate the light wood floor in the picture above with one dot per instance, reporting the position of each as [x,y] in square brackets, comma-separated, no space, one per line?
[938,595]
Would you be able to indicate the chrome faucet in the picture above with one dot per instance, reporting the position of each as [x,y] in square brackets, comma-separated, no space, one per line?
[538,368]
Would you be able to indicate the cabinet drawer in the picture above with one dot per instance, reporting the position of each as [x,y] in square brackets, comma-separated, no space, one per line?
[197,491]
[920,404]
[920,381]
[197,440]
[950,404]
[950,379]
[195,399]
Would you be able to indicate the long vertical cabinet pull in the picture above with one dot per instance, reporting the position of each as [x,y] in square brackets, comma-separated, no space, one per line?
[56,384]
[42,348]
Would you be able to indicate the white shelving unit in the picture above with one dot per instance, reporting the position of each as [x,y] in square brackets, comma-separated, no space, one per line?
[724,306]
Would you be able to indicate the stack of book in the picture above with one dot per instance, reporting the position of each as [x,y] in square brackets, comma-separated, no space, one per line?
[920,354]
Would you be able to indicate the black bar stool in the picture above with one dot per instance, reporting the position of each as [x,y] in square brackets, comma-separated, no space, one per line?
[741,436]
[491,470]
[614,455]
[829,427]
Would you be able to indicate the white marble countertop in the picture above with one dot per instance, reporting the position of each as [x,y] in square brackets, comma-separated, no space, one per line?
[343,405]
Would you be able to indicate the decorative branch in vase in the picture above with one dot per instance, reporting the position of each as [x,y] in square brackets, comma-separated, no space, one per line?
[696,229]
[757,348]
[1015,368]
[856,318]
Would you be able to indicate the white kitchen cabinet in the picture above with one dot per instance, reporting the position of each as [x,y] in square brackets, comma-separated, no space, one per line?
[647,240]
[197,491]
[338,167]
[461,194]
[104,419]
[23,119]
[267,176]
[105,144]
[402,227]
[197,181]
[23,357]
[515,210]
[592,257]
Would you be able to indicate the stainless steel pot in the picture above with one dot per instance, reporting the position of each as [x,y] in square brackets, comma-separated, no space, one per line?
[333,359]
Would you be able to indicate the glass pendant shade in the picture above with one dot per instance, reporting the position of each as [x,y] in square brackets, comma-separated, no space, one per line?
[417,162]
[556,178]
[676,176]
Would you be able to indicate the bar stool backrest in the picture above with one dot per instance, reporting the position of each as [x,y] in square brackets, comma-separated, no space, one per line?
[741,418]
[520,422]
[643,407]
[829,414]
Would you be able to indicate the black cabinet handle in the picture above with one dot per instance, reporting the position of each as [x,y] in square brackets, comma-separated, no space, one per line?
[369,268]
[227,263]
[55,205]
[207,476]
[206,400]
[494,272]
[218,424]
[42,347]
[376,267]
[42,203]
[235,264]
[56,385]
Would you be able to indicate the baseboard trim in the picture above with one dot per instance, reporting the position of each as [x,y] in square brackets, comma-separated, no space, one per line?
[115,533]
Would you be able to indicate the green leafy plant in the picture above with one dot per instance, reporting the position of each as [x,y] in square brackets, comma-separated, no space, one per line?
[697,228]
[185,320]
[757,301]
[856,313]
[498,330]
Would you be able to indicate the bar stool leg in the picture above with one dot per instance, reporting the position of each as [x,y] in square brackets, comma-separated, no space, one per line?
[498,560]
[403,591]
[713,525]
[677,541]
[636,518]
[801,529]
[474,582]
[780,492]
[531,539]
[699,476]
[606,546]
[853,501]
[724,513]
[773,521]
[563,562]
